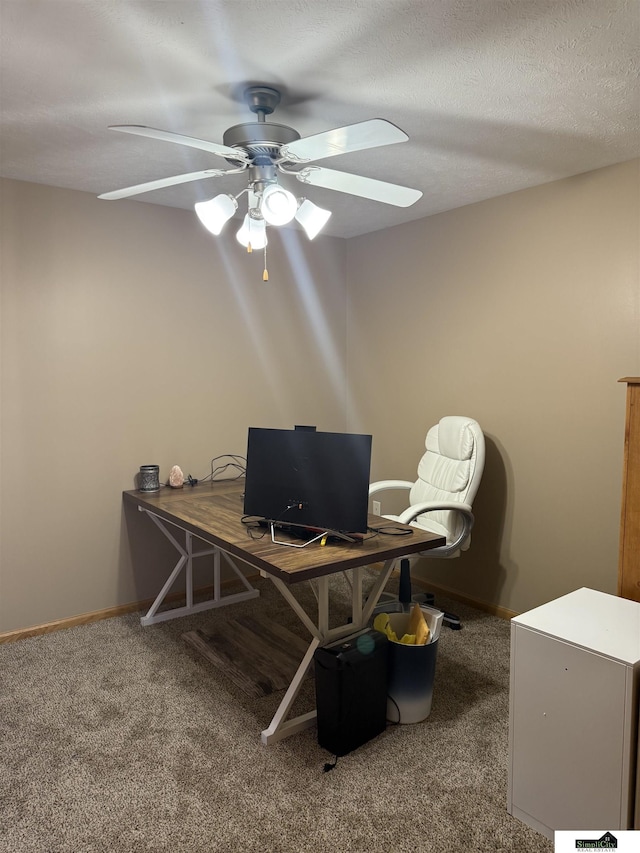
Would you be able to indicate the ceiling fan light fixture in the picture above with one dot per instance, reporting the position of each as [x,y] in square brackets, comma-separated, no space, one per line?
[252,233]
[216,212]
[312,218]
[278,206]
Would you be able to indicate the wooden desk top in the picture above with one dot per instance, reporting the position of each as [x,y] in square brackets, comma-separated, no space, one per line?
[213,511]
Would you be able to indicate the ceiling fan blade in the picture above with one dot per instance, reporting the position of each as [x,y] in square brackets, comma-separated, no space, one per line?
[164,182]
[192,142]
[342,140]
[357,185]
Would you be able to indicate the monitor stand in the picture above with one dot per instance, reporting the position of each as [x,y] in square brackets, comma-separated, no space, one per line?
[322,535]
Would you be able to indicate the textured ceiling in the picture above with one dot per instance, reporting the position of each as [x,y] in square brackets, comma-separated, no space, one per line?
[495,95]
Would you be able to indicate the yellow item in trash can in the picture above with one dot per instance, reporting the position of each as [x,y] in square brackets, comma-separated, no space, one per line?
[381,623]
[417,633]
[418,626]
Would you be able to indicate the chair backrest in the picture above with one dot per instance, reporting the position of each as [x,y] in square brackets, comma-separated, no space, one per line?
[450,470]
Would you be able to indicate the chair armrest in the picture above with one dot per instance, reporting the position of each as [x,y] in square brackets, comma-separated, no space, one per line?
[385,485]
[464,510]
[415,510]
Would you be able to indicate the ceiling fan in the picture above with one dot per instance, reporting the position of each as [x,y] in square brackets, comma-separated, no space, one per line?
[263,149]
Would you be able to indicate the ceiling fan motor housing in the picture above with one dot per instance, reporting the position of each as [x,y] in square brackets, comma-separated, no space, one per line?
[265,134]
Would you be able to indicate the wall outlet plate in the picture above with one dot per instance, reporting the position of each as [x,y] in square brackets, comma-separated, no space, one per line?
[376,507]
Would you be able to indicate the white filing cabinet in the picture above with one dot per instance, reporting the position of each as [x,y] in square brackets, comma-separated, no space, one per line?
[573,713]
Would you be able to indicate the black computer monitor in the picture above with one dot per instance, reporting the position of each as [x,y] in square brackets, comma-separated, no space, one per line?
[310,478]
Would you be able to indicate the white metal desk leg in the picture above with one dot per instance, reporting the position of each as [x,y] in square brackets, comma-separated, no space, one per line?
[296,606]
[278,728]
[187,556]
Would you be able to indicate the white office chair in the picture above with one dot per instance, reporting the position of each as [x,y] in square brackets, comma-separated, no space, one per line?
[441,499]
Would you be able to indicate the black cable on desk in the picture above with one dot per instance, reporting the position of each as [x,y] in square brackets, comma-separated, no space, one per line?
[392,530]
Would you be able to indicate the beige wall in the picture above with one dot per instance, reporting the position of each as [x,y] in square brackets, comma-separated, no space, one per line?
[522,312]
[130,336]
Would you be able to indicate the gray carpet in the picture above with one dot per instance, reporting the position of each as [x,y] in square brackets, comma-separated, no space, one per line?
[116,737]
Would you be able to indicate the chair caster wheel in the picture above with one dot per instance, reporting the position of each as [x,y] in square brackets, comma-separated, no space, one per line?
[452,621]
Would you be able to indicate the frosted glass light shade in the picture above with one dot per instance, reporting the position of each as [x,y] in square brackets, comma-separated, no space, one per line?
[312,218]
[253,231]
[214,213]
[278,205]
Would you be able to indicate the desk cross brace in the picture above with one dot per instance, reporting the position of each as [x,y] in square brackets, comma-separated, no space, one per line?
[187,556]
